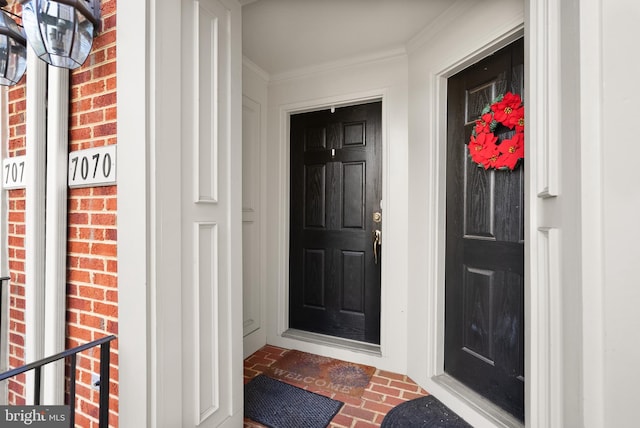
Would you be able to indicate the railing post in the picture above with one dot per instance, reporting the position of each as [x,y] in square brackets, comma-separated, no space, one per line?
[73,365]
[105,365]
[2,317]
[5,296]
[36,385]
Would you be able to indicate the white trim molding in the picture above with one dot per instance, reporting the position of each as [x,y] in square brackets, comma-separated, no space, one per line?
[543,36]
[542,78]
[544,312]
[136,368]
[593,276]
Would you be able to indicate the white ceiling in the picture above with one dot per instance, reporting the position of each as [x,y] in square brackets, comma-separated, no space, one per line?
[285,35]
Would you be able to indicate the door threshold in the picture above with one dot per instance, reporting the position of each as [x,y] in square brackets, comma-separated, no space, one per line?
[337,342]
[471,398]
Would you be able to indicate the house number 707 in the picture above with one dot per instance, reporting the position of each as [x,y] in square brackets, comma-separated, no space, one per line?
[92,167]
[13,172]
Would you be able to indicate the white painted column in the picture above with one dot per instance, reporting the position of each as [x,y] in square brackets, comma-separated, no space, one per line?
[543,407]
[35,212]
[56,231]
[137,364]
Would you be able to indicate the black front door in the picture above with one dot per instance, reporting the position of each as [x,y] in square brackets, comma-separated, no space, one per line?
[334,275]
[484,298]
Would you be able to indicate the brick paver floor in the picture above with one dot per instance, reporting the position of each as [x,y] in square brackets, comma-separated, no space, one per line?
[385,391]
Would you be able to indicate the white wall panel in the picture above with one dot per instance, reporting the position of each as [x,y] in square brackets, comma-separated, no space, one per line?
[181,250]
[210,213]
[254,184]
[544,133]
[207,337]
[546,338]
[251,222]
[252,293]
[617,95]
[212,43]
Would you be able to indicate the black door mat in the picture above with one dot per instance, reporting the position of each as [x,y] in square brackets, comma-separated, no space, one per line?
[280,405]
[424,412]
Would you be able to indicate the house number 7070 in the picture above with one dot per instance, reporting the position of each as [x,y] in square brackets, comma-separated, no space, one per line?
[92,167]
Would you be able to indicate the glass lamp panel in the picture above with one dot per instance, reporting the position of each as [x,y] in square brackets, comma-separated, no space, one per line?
[16,65]
[58,33]
[13,53]
[4,54]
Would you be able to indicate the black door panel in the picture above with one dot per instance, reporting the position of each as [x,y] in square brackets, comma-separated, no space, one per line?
[334,282]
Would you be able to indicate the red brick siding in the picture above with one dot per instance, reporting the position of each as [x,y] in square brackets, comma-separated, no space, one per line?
[92,293]
[16,244]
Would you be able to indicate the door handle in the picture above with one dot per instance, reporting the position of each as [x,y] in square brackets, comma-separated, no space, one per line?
[377,241]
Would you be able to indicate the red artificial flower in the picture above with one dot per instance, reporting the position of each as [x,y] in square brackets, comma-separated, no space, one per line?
[502,110]
[492,156]
[484,123]
[511,151]
[515,118]
[520,123]
[478,146]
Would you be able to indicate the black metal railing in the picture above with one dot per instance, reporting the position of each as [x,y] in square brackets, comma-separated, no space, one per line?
[105,357]
[3,280]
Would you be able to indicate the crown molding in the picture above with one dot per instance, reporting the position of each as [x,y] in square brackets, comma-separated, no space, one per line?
[339,65]
[264,75]
[429,32]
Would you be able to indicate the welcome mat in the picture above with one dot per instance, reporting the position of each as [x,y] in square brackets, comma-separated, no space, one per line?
[280,405]
[423,412]
[328,374]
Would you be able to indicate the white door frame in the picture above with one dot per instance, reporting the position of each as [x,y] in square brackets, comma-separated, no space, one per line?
[470,405]
[383,78]
[285,179]
[338,348]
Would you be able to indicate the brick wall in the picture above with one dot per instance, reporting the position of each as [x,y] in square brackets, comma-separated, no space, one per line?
[16,239]
[92,293]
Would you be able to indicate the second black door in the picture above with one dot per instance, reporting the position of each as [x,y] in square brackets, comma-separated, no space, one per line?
[334,282]
[484,284]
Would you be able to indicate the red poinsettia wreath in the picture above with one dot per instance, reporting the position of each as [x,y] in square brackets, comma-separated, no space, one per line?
[484,147]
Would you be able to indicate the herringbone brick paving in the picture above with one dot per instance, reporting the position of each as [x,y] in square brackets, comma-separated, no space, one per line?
[385,391]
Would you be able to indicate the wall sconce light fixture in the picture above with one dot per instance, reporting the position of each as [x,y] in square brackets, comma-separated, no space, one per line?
[13,51]
[60,32]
